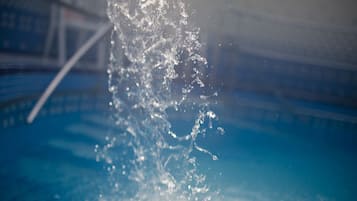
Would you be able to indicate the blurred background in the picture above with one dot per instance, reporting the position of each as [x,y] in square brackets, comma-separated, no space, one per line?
[282,67]
[37,39]
[286,50]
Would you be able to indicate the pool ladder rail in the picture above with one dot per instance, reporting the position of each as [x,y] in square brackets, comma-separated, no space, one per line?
[105,28]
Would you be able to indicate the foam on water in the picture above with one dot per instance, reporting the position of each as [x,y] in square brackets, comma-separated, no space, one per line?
[156,68]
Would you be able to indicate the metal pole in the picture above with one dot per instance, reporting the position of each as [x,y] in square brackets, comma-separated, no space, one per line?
[51,30]
[63,72]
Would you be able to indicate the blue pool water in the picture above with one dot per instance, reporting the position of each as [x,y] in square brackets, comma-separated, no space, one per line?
[166,123]
[265,154]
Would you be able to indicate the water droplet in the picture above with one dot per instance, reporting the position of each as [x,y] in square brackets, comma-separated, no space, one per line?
[214,157]
[220,130]
[211,115]
[112,89]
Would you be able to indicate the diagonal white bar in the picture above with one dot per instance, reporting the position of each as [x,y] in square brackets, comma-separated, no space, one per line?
[66,68]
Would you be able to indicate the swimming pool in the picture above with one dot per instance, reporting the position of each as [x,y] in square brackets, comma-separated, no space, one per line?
[268,151]
[265,108]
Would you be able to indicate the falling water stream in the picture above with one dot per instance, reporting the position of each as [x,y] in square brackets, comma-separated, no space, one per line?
[156,70]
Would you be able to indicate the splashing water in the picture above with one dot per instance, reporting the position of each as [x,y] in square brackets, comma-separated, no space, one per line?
[155,68]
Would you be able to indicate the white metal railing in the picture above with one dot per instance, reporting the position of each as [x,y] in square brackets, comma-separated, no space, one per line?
[66,68]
